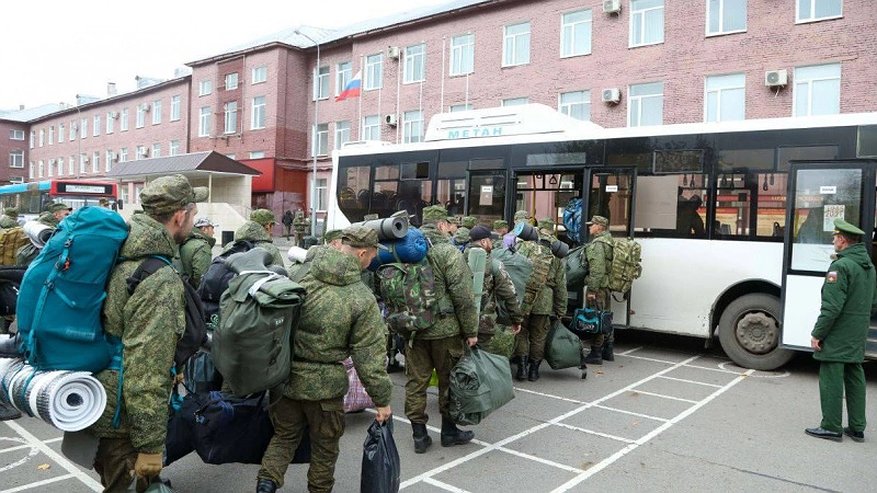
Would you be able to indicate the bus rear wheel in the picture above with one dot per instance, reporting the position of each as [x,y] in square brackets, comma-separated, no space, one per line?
[749,331]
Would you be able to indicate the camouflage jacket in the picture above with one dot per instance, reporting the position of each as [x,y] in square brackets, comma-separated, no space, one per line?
[434,236]
[599,253]
[48,219]
[149,322]
[196,253]
[7,222]
[498,288]
[540,287]
[252,231]
[453,288]
[339,318]
[551,299]
[297,272]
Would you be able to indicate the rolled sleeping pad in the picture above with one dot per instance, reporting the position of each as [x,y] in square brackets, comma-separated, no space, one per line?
[559,249]
[296,254]
[409,250]
[38,233]
[526,232]
[388,229]
[477,264]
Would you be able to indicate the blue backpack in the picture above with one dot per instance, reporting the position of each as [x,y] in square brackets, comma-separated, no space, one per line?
[62,294]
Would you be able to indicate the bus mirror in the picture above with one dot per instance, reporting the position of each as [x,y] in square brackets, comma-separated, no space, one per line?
[117,205]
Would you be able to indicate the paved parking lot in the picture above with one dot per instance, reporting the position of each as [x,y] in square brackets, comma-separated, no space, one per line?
[667,415]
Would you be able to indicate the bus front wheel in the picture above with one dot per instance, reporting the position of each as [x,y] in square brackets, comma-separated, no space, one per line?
[749,331]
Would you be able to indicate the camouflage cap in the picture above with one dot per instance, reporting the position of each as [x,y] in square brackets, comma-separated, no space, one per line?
[370,217]
[455,220]
[57,206]
[169,194]
[461,236]
[11,212]
[262,217]
[500,224]
[434,213]
[841,226]
[332,235]
[469,222]
[359,236]
[521,216]
[602,221]
[546,223]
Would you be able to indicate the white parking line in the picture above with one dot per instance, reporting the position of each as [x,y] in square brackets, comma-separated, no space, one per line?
[547,462]
[645,358]
[718,370]
[552,396]
[662,396]
[630,351]
[623,411]
[596,433]
[19,447]
[44,482]
[684,380]
[439,484]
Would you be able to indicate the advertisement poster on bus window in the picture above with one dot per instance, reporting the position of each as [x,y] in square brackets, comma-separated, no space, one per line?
[486,196]
[832,212]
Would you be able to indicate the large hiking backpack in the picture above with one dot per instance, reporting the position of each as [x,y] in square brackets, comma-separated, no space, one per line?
[408,291]
[626,264]
[215,280]
[541,257]
[519,269]
[11,240]
[576,264]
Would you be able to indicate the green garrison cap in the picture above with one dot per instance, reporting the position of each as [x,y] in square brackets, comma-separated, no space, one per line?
[546,223]
[602,221]
[521,216]
[500,224]
[841,226]
[434,213]
[262,216]
[469,222]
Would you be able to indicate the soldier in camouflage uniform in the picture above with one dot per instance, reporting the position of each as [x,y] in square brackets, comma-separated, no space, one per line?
[332,239]
[339,318]
[466,225]
[196,252]
[302,226]
[546,227]
[9,219]
[599,254]
[54,213]
[258,231]
[149,323]
[498,288]
[441,345]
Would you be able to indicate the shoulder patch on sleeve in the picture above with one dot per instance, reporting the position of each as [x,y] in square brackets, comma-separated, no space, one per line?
[831,276]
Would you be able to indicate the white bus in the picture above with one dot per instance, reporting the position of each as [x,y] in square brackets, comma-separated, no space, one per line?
[735,219]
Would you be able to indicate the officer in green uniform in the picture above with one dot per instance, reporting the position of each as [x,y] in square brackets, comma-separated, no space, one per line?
[599,254]
[258,230]
[149,322]
[9,219]
[339,318]
[839,336]
[441,345]
[196,252]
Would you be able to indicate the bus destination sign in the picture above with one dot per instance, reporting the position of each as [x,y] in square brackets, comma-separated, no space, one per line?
[80,188]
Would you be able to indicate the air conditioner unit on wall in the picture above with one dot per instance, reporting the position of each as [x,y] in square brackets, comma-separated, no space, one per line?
[774,78]
[393,52]
[611,95]
[145,107]
[390,119]
[611,6]
[114,114]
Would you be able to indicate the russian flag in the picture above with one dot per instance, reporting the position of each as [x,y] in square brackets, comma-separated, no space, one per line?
[352,89]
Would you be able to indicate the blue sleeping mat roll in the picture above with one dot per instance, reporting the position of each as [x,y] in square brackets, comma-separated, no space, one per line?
[409,249]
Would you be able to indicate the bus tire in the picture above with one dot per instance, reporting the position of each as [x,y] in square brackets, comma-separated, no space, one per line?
[749,331]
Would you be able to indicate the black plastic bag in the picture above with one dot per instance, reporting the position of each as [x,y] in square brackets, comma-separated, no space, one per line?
[380,460]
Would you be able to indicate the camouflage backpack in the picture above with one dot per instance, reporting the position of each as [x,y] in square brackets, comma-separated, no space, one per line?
[541,257]
[626,264]
[408,291]
[11,240]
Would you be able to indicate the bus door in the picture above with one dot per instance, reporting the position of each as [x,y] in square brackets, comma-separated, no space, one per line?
[819,193]
[486,196]
[611,193]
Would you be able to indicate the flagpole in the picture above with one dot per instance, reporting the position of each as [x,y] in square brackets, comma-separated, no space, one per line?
[361,91]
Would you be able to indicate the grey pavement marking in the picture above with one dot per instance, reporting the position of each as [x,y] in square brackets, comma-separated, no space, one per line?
[597,433]
[444,486]
[44,482]
[55,456]
[690,381]
[662,396]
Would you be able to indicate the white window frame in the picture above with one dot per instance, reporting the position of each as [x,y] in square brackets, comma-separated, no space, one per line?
[799,20]
[95,162]
[16,159]
[343,74]
[569,108]
[510,55]
[374,72]
[722,6]
[642,12]
[414,61]
[41,169]
[636,101]
[204,115]
[30,172]
[123,154]
[258,113]
[256,155]
[176,102]
[50,168]
[514,101]
[342,133]
[718,92]
[259,75]
[16,134]
[231,81]
[173,147]
[230,117]
[123,120]
[462,56]
[141,152]
[42,137]
[156,112]
[51,135]
[322,190]
[83,128]
[109,161]
[83,160]
[798,80]
[371,124]
[71,165]
[140,118]
[110,124]
[454,108]
[321,83]
[33,138]
[205,87]
[320,139]
[95,126]
[61,132]
[412,127]
[156,150]
[569,28]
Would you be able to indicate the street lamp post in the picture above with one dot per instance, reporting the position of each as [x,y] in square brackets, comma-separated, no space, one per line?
[314,136]
[78,138]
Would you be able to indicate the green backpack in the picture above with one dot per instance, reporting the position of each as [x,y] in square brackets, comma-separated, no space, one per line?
[626,264]
[408,291]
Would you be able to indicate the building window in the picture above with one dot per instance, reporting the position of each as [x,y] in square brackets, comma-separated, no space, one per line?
[123,120]
[515,101]
[95,162]
[50,171]
[30,174]
[575,33]
[817,90]
[516,44]
[173,148]
[83,128]
[412,127]
[257,154]
[123,154]
[205,87]
[95,125]
[815,10]
[342,134]
[140,118]
[576,104]
[462,54]
[61,130]
[231,117]
[111,120]
[16,159]
[156,150]
[342,76]
[725,98]
[321,88]
[109,161]
[142,152]
[72,131]
[646,22]
[204,122]
[645,104]
[374,71]
[175,108]
[231,81]
[42,136]
[725,16]
[371,127]
[156,112]
[33,138]
[258,114]
[321,140]
[83,160]
[52,135]
[322,190]
[260,74]
[41,169]
[16,134]
[460,107]
[415,57]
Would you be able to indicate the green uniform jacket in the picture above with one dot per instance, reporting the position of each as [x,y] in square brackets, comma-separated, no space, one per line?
[453,288]
[48,219]
[149,322]
[254,232]
[848,300]
[498,288]
[339,318]
[7,222]
[196,253]
[551,299]
[599,253]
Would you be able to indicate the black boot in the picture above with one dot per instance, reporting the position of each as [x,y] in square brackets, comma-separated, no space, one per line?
[608,355]
[594,357]
[451,435]
[582,365]
[422,440]
[7,412]
[533,375]
[266,486]
[522,368]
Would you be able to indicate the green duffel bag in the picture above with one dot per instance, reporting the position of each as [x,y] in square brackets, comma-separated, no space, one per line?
[562,348]
[481,382]
[576,263]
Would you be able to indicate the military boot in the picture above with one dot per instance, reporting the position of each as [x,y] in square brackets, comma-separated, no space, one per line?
[266,486]
[522,368]
[533,375]
[595,357]
[8,412]
[422,440]
[607,353]
[451,435]
[582,365]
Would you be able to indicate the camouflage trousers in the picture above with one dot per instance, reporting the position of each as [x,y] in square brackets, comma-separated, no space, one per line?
[114,462]
[601,302]
[420,359]
[530,341]
[290,417]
